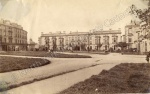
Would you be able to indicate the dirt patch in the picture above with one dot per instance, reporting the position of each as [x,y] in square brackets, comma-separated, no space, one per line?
[8,64]
[123,78]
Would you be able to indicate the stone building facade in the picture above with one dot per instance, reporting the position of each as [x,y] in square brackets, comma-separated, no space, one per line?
[144,37]
[12,36]
[95,40]
[137,36]
[131,35]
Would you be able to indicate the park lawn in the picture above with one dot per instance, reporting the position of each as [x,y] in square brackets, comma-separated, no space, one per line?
[123,78]
[93,52]
[43,54]
[8,64]
[61,55]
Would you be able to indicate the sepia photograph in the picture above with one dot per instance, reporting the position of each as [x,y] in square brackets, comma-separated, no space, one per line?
[74,46]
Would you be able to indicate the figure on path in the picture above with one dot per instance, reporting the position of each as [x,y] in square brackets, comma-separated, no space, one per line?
[148,56]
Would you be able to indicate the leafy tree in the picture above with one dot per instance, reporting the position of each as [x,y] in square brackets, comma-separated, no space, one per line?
[54,45]
[99,46]
[83,46]
[143,15]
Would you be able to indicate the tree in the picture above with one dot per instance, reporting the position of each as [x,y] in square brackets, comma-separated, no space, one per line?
[143,15]
[47,43]
[83,46]
[54,44]
[122,45]
[99,46]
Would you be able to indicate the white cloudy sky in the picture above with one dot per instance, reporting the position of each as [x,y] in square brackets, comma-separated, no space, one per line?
[38,16]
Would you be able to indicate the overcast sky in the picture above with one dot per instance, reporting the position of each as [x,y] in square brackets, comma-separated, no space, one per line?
[38,16]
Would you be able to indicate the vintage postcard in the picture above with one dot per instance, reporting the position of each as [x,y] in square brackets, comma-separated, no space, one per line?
[74,46]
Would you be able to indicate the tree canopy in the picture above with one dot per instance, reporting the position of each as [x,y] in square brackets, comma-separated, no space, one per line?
[143,15]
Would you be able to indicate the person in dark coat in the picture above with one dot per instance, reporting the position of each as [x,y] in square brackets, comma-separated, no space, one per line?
[148,56]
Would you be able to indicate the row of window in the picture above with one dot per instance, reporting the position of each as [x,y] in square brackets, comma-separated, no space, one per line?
[71,39]
[10,40]
[20,41]
[20,36]
[10,34]
[14,29]
[90,42]
[97,40]
[13,32]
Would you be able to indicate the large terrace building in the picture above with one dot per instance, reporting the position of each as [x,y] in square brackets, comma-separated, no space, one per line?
[95,40]
[12,36]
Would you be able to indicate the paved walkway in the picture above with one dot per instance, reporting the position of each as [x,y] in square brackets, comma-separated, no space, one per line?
[59,83]
[57,67]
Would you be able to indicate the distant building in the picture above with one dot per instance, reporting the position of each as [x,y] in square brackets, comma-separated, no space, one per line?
[95,40]
[144,37]
[123,38]
[32,46]
[137,36]
[12,36]
[132,36]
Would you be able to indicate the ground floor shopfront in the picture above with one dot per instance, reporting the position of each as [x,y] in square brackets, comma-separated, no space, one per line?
[13,47]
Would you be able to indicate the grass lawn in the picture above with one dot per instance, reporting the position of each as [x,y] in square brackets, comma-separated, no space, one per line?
[123,78]
[43,54]
[92,52]
[8,64]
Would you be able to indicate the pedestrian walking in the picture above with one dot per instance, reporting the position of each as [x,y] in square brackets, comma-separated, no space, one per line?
[148,56]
